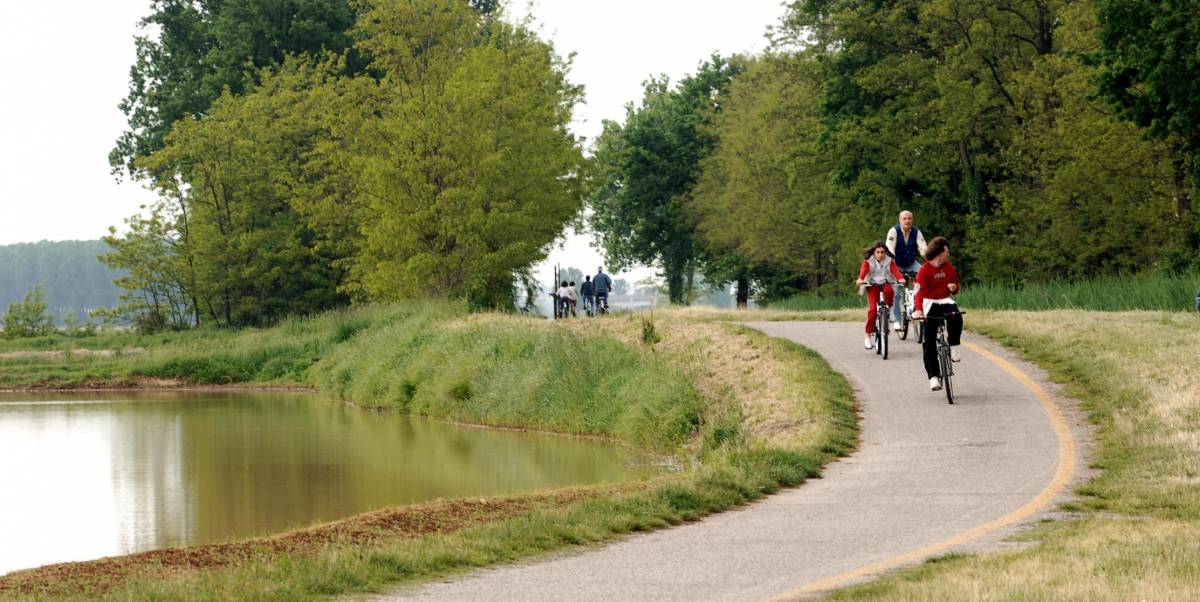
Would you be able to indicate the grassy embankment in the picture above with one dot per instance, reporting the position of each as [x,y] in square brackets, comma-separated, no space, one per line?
[1137,535]
[1151,292]
[745,413]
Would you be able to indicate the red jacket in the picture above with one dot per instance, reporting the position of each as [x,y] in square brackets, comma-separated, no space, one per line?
[933,283]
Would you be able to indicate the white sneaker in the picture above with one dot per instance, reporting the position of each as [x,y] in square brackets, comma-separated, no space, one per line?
[899,326]
[935,384]
[869,343]
[955,356]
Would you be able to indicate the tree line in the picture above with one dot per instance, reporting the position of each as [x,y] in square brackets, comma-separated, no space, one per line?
[71,281]
[309,154]
[313,153]
[1045,138]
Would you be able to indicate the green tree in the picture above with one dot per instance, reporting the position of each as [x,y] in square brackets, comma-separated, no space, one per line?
[1148,63]
[238,172]
[158,270]
[648,165]
[1088,194]
[29,318]
[196,49]
[769,176]
[469,173]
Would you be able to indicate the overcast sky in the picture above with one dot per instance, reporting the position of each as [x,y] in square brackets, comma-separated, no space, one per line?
[65,66]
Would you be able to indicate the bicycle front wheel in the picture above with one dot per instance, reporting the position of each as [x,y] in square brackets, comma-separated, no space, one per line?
[884,328]
[947,377]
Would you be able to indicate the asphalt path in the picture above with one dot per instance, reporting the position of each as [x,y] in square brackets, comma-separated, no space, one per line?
[927,478]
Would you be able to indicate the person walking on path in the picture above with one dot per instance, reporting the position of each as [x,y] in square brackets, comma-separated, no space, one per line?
[877,268]
[602,284]
[936,284]
[573,295]
[905,242]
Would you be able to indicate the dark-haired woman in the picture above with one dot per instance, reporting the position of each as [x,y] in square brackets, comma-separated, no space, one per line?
[936,285]
[877,269]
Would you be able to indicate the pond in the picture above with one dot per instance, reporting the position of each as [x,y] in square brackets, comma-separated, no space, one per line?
[91,475]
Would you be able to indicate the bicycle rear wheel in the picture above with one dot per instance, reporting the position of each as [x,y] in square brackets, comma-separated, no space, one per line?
[903,325]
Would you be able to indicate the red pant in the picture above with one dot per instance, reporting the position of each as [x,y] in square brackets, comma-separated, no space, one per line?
[873,300]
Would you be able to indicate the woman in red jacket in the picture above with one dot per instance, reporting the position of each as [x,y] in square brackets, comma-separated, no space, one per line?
[936,283]
[877,268]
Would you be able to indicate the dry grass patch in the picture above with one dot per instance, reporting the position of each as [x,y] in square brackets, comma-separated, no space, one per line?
[1138,376]
[1096,559]
[729,364]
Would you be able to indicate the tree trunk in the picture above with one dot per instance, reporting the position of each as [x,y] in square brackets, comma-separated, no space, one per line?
[675,286]
[743,291]
[1183,184]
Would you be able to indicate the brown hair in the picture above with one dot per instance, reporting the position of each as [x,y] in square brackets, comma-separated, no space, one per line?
[867,252]
[935,248]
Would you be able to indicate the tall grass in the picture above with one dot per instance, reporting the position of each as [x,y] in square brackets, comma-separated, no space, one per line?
[1116,293]
[518,372]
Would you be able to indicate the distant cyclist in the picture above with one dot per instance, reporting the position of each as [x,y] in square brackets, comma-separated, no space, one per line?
[563,296]
[588,290]
[936,284]
[906,243]
[602,284]
[877,268]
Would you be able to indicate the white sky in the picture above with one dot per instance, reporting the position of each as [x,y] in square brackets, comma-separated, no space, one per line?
[65,66]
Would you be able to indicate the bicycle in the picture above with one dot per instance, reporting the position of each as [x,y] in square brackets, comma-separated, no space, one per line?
[906,307]
[945,365]
[601,308]
[883,314]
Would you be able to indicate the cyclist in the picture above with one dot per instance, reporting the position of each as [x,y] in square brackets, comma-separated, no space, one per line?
[588,290]
[602,285]
[877,268]
[905,242]
[935,285]
[564,300]
[573,294]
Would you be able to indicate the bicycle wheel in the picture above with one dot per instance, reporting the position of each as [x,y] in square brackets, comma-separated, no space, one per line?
[921,332]
[947,373]
[884,328]
[903,324]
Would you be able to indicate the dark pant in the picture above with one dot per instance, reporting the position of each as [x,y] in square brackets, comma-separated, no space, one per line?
[954,326]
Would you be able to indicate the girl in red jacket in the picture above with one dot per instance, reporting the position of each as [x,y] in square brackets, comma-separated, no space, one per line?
[877,269]
[937,282]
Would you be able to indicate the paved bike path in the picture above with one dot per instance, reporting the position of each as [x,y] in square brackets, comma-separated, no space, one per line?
[927,478]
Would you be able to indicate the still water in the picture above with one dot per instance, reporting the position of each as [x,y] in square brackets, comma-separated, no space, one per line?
[96,475]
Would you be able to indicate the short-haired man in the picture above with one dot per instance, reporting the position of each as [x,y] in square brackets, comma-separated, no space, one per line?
[905,242]
[602,285]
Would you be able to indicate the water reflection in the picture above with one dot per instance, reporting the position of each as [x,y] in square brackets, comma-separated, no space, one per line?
[105,475]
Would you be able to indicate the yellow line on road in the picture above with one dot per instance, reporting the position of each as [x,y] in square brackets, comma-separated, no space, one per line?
[1066,468]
